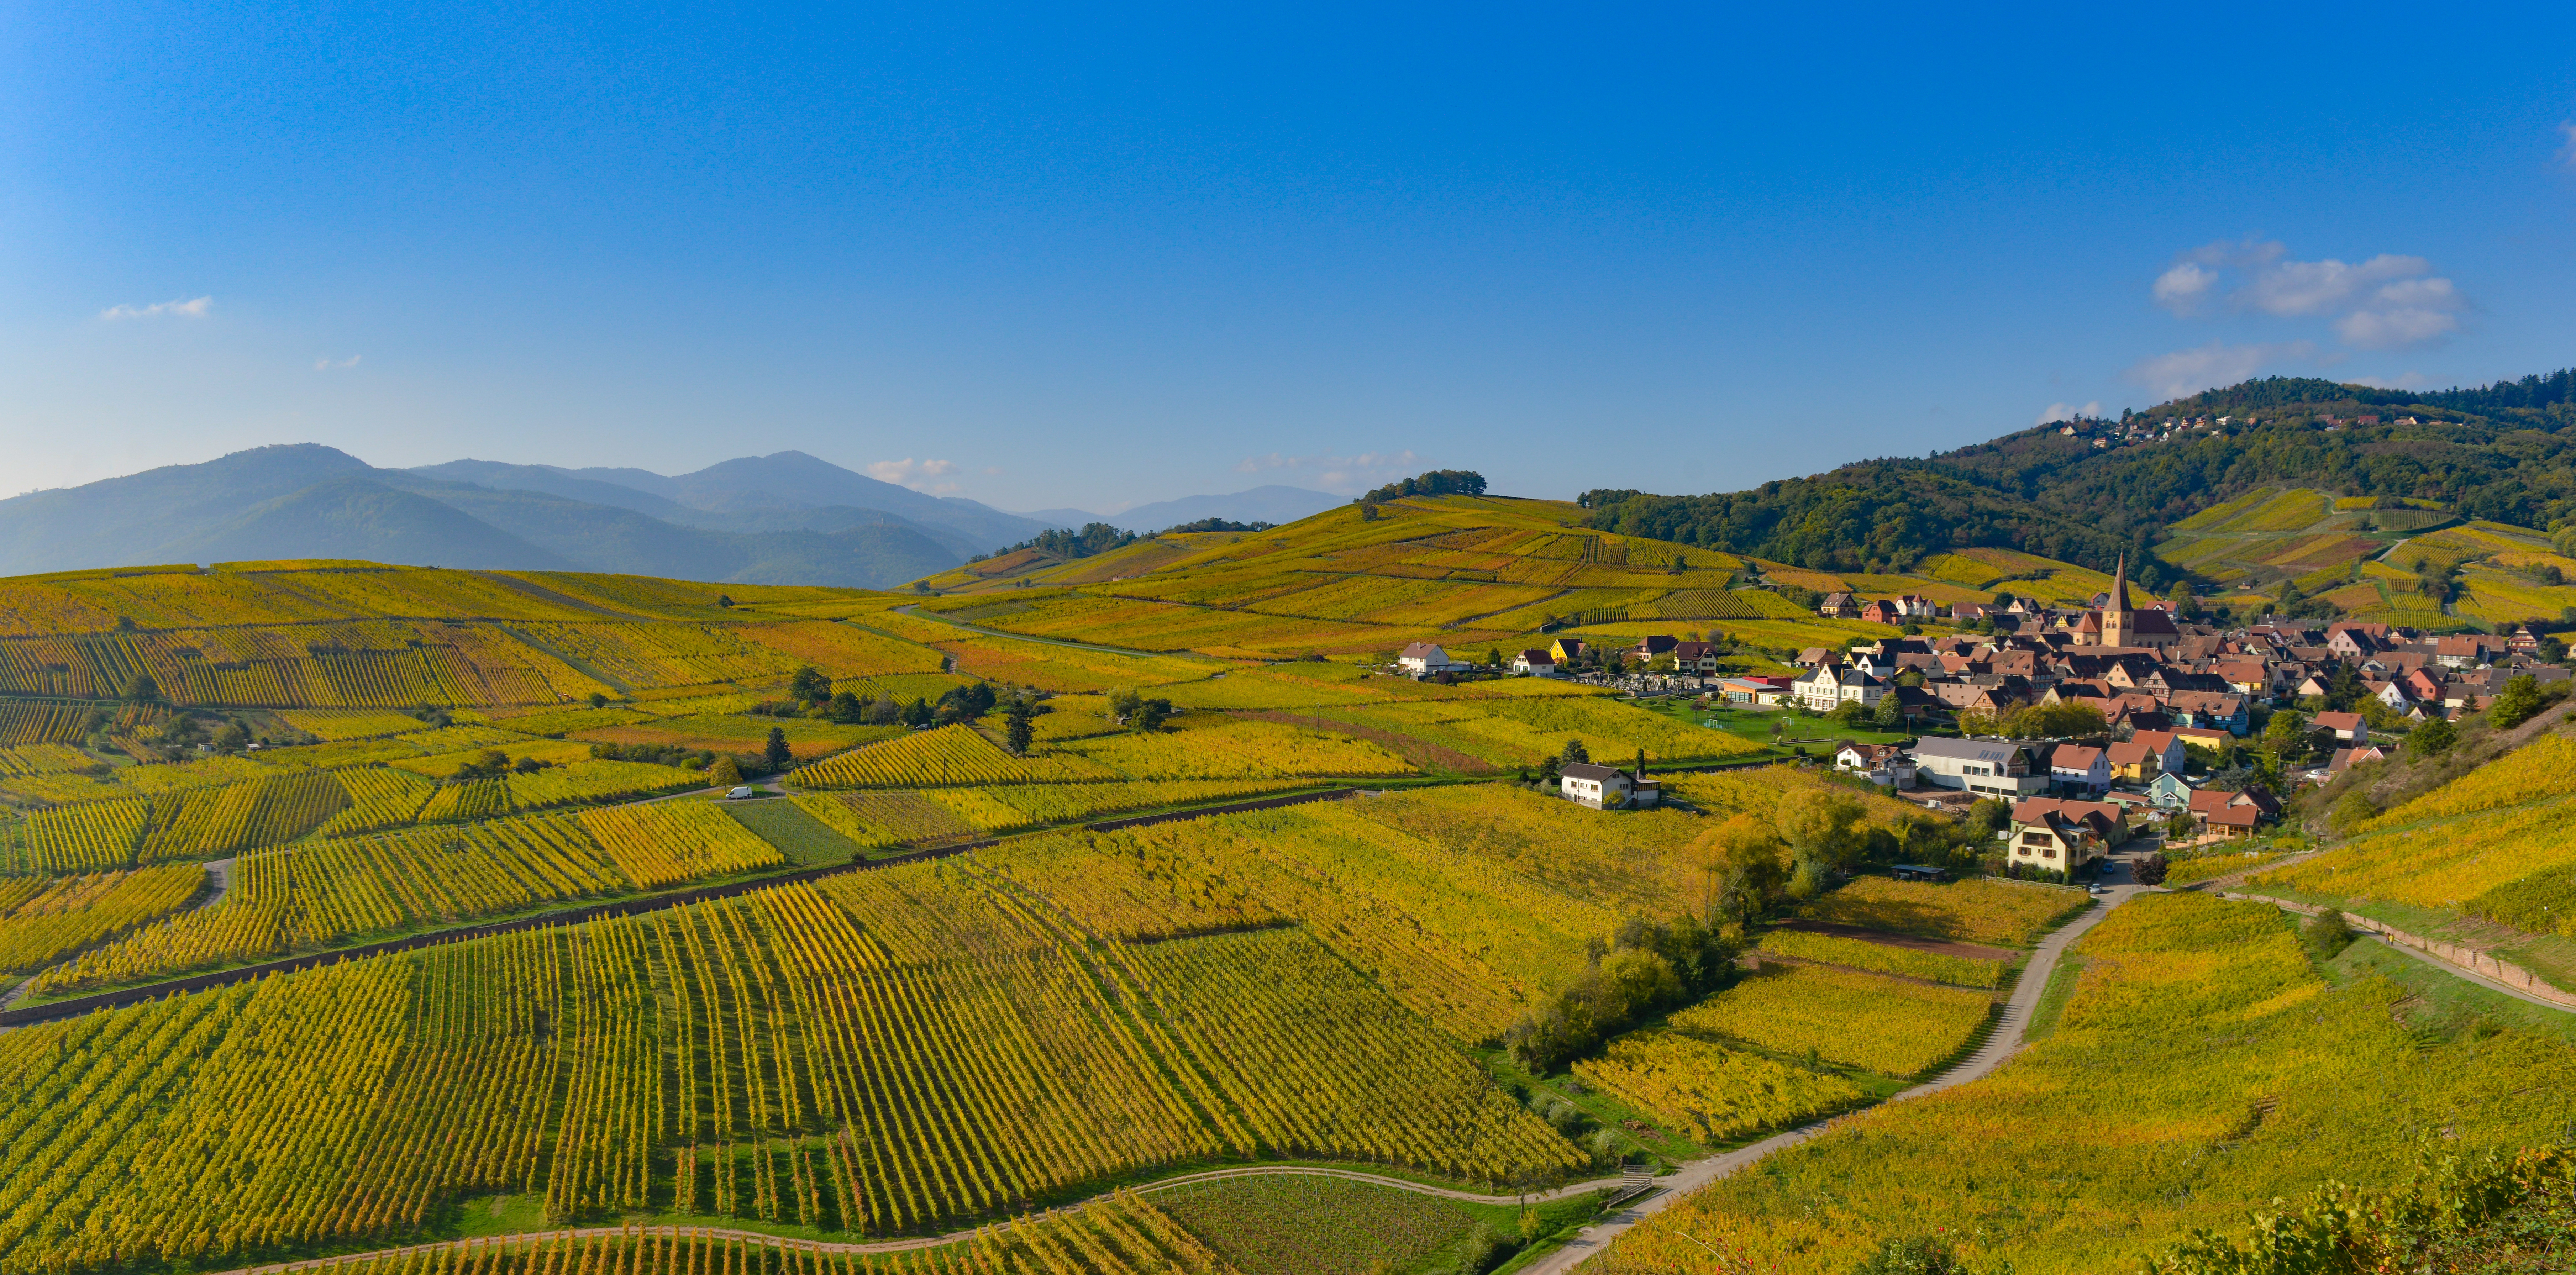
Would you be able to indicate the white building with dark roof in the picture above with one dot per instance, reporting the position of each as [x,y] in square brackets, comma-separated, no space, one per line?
[1986,767]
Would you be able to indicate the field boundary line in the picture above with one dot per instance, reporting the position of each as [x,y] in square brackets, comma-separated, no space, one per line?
[2004,1038]
[75,1006]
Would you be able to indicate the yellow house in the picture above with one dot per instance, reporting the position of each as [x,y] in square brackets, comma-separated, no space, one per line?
[1566,650]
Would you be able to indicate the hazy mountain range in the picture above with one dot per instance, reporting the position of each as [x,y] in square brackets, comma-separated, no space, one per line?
[786,518]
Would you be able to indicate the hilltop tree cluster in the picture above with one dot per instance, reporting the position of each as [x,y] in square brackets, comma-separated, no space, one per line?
[1437,482]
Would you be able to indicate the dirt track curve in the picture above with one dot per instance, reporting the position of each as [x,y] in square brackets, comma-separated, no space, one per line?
[2002,1042]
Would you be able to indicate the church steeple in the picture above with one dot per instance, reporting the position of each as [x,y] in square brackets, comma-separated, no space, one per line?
[2120,585]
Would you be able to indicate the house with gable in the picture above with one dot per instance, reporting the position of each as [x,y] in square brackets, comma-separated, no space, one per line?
[1534,662]
[1422,659]
[2079,768]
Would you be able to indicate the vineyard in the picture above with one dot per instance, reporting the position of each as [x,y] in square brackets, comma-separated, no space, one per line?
[2196,1026]
[43,919]
[2001,913]
[1122,1235]
[804,1034]
[1884,958]
[1843,1016]
[1709,1092]
[320,893]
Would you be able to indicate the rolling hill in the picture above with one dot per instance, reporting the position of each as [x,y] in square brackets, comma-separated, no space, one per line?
[306,501]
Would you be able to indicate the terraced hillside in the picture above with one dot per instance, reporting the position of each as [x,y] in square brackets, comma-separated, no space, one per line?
[1470,572]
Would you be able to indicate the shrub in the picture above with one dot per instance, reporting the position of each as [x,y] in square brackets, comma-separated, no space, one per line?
[2354,810]
[2520,700]
[2325,935]
[2149,869]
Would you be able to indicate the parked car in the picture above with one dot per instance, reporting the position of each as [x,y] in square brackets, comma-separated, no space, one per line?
[739,791]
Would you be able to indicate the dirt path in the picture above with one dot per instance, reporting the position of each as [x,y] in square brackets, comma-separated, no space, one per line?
[220,871]
[2001,1043]
[917,613]
[2010,1030]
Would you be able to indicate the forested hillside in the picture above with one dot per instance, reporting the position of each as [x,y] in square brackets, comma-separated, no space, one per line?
[2495,453]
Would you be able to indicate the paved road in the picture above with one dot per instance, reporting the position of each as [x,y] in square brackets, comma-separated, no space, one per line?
[2006,1039]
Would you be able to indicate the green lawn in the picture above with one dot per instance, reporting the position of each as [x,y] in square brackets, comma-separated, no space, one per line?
[2442,1005]
[1330,1226]
[804,839]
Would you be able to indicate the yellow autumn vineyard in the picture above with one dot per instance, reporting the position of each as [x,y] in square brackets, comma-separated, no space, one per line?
[1843,1016]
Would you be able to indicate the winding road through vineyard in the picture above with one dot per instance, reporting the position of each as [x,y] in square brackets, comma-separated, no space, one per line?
[2009,1034]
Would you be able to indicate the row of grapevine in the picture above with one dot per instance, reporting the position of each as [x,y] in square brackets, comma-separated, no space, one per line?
[946,756]
[1712,1093]
[42,759]
[1884,958]
[1843,1016]
[889,1051]
[42,919]
[1122,1235]
[667,842]
[206,822]
[23,723]
[322,892]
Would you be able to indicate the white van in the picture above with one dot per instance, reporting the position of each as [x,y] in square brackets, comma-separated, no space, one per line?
[739,791]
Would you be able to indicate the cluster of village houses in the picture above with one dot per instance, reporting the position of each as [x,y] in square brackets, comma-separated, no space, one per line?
[2161,684]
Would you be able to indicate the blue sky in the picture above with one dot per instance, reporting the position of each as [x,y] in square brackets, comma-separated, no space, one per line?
[1053,258]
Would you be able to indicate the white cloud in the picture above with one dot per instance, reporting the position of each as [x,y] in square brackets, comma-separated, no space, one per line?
[2186,372]
[2387,301]
[916,474]
[185,309]
[328,364]
[2068,412]
[1343,475]
[2183,288]
[2388,329]
[2409,381]
[2321,287]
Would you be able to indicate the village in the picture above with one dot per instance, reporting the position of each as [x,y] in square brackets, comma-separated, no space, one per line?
[2097,725]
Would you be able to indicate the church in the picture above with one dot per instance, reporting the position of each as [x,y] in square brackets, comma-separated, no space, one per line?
[2122,625]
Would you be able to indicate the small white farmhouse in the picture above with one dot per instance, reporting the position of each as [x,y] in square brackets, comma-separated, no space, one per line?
[1600,787]
[1422,658]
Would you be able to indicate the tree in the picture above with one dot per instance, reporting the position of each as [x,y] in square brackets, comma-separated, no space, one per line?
[598,700]
[774,750]
[2520,700]
[2433,738]
[807,685]
[1741,860]
[846,707]
[231,739]
[2351,812]
[1889,715]
[141,689]
[1018,731]
[1574,752]
[1823,833]
[2061,720]
[1641,763]
[2286,738]
[1151,714]
[724,773]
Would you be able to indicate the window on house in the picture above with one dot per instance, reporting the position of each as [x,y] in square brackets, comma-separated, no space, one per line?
[2049,852]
